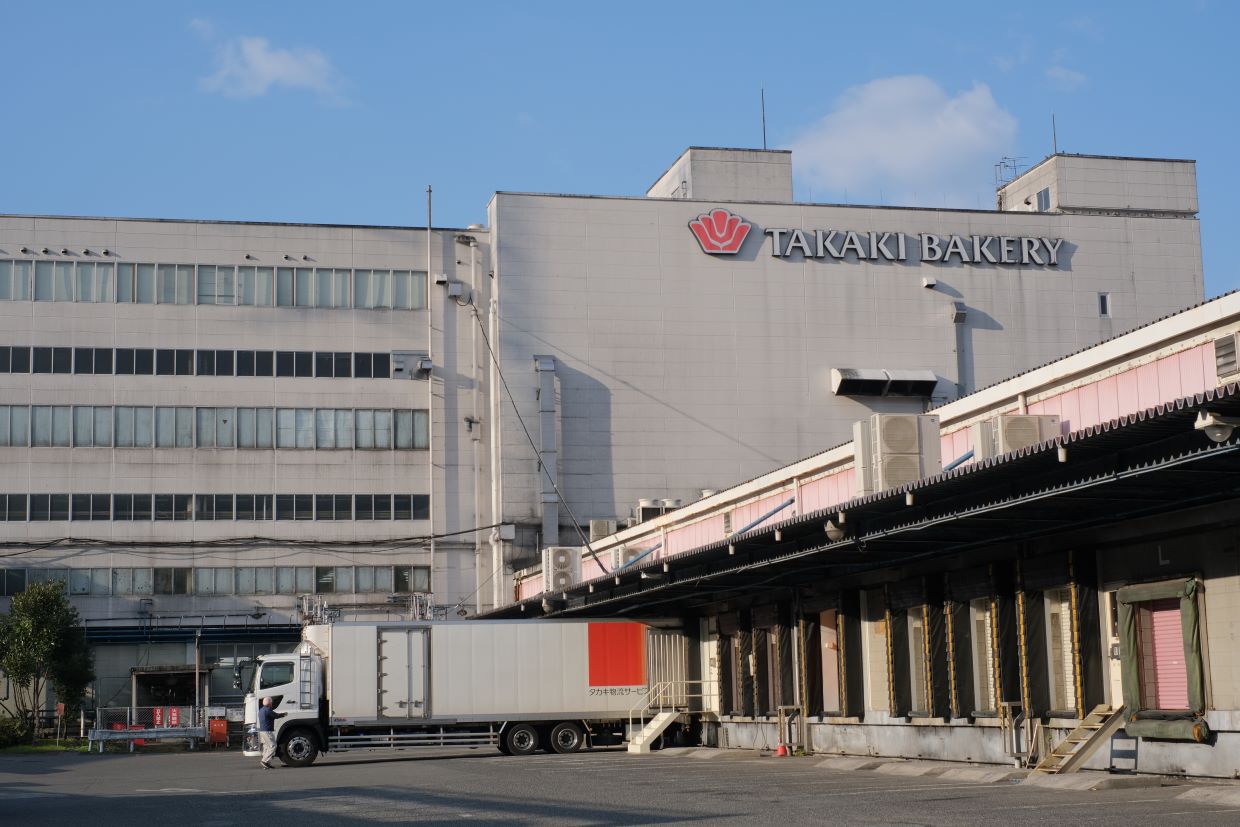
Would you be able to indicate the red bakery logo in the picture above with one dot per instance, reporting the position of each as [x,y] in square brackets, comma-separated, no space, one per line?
[720,232]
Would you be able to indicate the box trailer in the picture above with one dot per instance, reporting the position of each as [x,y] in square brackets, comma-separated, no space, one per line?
[519,685]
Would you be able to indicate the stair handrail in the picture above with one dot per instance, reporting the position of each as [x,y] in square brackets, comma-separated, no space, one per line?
[655,697]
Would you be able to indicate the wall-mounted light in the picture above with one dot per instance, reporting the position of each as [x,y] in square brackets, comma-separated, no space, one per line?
[105,252]
[25,251]
[1217,428]
[834,532]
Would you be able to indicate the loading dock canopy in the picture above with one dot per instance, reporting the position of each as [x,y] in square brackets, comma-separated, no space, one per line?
[1148,463]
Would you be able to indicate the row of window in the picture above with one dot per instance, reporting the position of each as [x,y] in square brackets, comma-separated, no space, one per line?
[243,580]
[187,362]
[128,426]
[105,281]
[146,507]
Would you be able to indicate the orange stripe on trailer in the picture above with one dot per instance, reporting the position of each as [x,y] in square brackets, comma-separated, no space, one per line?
[617,654]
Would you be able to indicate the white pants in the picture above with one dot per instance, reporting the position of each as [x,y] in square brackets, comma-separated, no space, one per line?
[268,740]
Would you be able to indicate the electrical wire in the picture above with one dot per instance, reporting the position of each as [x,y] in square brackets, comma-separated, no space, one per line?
[559,495]
[236,543]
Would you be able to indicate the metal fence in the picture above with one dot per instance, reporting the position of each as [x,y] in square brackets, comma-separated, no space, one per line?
[148,717]
[135,725]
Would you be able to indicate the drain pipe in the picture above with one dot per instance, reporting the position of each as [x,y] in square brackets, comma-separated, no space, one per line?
[497,478]
[475,423]
[430,396]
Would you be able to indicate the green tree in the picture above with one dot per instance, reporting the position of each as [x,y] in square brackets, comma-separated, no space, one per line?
[42,644]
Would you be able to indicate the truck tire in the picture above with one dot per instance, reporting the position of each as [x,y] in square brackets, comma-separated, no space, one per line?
[521,739]
[299,749]
[567,737]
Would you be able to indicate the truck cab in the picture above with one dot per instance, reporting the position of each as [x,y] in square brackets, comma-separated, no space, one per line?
[294,683]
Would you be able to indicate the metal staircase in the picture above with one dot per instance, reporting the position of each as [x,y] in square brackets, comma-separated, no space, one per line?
[640,743]
[1094,730]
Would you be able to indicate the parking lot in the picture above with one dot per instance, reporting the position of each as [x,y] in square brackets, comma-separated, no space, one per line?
[602,787]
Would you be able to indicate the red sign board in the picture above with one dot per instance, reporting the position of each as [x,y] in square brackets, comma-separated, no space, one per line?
[159,716]
[617,654]
[174,716]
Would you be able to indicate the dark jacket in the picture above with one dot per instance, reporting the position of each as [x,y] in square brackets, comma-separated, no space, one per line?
[267,718]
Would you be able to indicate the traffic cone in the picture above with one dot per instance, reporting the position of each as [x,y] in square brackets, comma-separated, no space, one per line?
[781,751]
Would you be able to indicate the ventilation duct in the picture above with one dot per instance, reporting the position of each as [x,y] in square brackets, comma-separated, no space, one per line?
[881,382]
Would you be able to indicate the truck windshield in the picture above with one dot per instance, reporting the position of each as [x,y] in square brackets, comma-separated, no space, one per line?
[275,674]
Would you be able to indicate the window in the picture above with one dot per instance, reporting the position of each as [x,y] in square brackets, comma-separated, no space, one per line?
[305,427]
[284,287]
[412,579]
[172,580]
[255,507]
[284,363]
[343,364]
[981,631]
[52,360]
[92,427]
[254,286]
[134,427]
[213,581]
[1060,671]
[52,425]
[206,363]
[421,507]
[12,581]
[217,285]
[144,361]
[14,507]
[303,287]
[1044,200]
[275,674]
[174,427]
[362,365]
[264,363]
[174,283]
[1104,305]
[15,280]
[15,425]
[294,579]
[303,364]
[217,427]
[333,579]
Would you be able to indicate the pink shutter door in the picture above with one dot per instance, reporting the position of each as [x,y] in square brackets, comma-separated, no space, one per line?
[1170,673]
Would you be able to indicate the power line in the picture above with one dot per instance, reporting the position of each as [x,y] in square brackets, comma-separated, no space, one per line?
[559,495]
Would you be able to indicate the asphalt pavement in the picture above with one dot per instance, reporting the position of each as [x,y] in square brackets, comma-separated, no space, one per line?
[600,787]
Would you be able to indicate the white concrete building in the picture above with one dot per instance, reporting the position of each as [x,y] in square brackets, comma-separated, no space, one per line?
[208,426]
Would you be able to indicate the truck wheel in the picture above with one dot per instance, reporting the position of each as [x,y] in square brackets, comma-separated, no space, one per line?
[299,749]
[521,739]
[567,737]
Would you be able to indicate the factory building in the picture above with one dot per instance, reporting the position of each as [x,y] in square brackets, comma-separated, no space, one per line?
[215,430]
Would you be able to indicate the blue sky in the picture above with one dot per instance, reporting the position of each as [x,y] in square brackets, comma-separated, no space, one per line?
[343,113]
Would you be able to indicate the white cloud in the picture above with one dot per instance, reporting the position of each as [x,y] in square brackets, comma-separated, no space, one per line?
[904,140]
[1066,79]
[249,67]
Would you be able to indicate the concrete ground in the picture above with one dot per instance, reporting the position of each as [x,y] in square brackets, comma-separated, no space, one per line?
[601,787]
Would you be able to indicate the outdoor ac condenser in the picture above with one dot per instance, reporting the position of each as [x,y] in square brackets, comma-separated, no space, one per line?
[1012,432]
[602,528]
[891,450]
[561,567]
[624,555]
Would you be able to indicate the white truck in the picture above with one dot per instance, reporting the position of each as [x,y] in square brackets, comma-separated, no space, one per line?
[517,685]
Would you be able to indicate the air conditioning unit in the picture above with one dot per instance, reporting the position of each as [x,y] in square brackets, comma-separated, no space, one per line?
[408,364]
[891,450]
[648,509]
[602,528]
[1227,355]
[1012,432]
[561,568]
[624,555]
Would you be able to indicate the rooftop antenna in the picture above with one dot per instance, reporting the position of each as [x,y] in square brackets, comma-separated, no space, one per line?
[1054,136]
[763,93]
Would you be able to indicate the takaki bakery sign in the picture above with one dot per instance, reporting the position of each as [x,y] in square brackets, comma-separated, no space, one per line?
[720,232]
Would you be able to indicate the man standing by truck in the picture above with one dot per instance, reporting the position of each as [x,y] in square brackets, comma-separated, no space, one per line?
[267,732]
